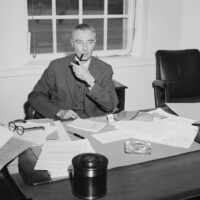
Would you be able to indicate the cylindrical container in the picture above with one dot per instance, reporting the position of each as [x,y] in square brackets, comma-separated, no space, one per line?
[89,175]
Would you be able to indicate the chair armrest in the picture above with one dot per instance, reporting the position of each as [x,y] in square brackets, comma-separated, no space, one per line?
[162,84]
[120,90]
[161,92]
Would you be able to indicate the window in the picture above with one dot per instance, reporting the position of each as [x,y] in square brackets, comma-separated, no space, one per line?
[50,23]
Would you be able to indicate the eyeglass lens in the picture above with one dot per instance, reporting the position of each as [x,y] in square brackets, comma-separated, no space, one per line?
[20,130]
[12,127]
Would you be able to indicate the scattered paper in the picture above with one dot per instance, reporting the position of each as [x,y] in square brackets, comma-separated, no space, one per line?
[171,130]
[112,136]
[12,149]
[86,125]
[5,135]
[62,132]
[56,157]
[126,115]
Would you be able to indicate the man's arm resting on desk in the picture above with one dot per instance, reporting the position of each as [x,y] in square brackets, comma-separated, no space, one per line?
[67,114]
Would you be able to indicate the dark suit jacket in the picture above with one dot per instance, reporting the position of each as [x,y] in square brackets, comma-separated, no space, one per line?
[55,89]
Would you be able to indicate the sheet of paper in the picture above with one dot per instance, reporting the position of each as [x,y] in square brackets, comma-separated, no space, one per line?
[5,135]
[190,110]
[56,157]
[112,136]
[62,132]
[169,130]
[12,149]
[87,125]
[36,136]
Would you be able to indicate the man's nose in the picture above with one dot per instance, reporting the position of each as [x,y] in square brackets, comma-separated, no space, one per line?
[85,46]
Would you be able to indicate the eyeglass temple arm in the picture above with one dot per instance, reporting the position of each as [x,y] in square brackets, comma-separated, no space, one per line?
[35,128]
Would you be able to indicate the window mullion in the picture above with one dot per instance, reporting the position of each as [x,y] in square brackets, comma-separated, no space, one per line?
[105,32]
[125,27]
[131,18]
[54,26]
[80,11]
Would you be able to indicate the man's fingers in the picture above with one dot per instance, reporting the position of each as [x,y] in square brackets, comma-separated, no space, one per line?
[70,114]
[74,115]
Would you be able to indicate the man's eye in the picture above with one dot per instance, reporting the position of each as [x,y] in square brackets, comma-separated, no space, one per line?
[79,42]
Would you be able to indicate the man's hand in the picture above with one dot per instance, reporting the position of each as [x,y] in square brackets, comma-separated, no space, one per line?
[67,114]
[83,73]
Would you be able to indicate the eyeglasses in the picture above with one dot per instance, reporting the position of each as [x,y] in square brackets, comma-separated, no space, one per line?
[20,129]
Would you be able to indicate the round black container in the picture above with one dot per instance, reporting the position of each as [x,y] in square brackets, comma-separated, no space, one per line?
[89,175]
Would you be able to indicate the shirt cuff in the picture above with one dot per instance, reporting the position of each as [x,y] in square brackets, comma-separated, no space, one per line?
[91,85]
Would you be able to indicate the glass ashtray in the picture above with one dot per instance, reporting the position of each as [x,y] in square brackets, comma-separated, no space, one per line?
[137,147]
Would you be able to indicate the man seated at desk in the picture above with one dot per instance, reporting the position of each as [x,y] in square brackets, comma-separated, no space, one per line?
[83,88]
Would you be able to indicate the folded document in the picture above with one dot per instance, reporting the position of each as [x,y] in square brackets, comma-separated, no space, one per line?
[56,156]
[86,125]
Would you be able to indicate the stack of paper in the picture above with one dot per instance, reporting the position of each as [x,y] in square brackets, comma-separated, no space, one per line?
[56,157]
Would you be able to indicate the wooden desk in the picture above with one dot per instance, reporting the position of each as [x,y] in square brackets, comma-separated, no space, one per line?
[170,178]
[120,90]
[138,177]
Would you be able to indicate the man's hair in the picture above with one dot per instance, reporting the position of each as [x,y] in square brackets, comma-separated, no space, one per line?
[84,27]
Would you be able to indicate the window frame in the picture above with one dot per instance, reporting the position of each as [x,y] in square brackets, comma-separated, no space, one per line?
[130,16]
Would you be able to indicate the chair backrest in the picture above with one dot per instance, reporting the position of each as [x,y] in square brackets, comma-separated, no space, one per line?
[182,69]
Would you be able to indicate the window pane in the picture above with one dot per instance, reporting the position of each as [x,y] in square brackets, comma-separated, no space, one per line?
[98,25]
[64,28]
[39,7]
[93,7]
[117,33]
[66,7]
[41,36]
[117,6]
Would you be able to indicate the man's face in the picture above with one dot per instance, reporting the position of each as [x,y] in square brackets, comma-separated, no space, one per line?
[83,42]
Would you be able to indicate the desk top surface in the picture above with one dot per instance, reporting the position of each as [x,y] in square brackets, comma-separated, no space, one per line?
[114,151]
[168,172]
[169,178]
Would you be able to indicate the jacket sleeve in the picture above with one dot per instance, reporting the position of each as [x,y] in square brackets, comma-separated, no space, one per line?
[103,92]
[40,97]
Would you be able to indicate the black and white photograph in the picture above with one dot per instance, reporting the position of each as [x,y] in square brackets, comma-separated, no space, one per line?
[100,99]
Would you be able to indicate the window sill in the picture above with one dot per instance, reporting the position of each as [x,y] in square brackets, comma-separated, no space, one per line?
[37,67]
[129,61]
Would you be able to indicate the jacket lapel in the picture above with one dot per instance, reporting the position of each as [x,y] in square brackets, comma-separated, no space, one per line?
[69,75]
[93,68]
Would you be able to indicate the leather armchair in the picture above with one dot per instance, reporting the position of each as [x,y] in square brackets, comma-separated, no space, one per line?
[177,76]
